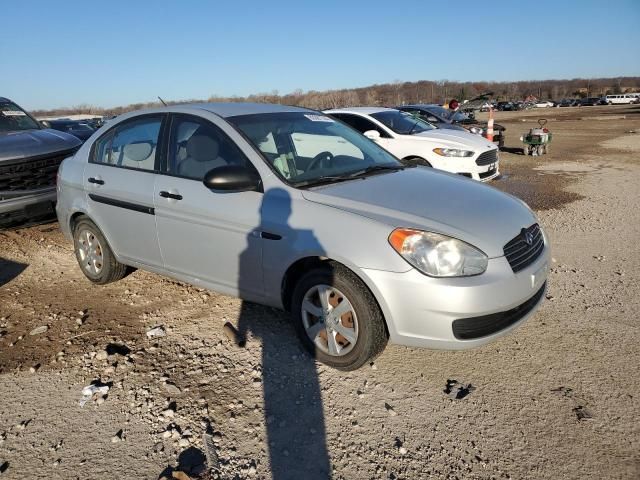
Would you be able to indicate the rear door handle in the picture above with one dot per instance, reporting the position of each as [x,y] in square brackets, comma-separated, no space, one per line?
[97,181]
[173,196]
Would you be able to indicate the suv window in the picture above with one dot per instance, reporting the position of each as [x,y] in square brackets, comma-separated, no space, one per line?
[361,124]
[133,144]
[198,146]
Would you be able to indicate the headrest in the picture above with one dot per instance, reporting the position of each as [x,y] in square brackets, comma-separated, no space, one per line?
[202,148]
[138,151]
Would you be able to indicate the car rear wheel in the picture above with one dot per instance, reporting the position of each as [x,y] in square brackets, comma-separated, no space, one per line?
[337,318]
[94,255]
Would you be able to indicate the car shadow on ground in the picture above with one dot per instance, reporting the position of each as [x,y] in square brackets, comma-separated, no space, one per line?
[10,270]
[514,150]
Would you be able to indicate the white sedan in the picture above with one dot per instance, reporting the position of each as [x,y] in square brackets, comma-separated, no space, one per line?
[418,142]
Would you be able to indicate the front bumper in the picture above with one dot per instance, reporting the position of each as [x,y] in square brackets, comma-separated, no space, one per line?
[421,310]
[482,173]
[25,208]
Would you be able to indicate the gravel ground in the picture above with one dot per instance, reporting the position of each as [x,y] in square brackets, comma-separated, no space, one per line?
[556,399]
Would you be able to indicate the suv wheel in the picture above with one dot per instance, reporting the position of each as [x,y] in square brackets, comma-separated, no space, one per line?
[94,254]
[337,318]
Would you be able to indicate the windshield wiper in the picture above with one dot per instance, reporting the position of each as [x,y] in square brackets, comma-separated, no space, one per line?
[374,169]
[365,172]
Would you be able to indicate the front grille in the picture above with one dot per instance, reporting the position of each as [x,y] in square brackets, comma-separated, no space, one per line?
[487,158]
[32,173]
[478,327]
[520,254]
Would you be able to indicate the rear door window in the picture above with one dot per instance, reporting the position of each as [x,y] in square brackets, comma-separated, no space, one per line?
[361,124]
[133,144]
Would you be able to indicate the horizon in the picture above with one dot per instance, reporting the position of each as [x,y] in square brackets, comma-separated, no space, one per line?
[360,46]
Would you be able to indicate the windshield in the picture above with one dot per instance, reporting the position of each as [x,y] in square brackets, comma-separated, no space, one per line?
[449,115]
[307,148]
[402,123]
[13,118]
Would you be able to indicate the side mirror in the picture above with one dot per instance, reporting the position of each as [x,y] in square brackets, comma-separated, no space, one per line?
[233,178]
[372,134]
[45,124]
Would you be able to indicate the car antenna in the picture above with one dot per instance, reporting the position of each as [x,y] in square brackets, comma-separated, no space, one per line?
[163,102]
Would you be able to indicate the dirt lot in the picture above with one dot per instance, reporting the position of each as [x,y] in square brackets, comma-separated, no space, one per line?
[560,398]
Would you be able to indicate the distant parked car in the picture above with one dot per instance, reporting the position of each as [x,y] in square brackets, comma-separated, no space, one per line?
[590,102]
[544,104]
[289,208]
[29,160]
[568,102]
[620,99]
[449,119]
[505,106]
[418,143]
[76,128]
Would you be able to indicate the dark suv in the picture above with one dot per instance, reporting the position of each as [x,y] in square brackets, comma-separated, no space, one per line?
[29,159]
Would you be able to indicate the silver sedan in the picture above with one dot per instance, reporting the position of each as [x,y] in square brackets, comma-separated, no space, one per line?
[290,208]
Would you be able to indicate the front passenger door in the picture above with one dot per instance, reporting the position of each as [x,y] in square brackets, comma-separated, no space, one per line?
[207,236]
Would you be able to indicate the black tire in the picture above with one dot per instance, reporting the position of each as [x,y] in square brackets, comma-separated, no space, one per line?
[416,161]
[110,270]
[372,334]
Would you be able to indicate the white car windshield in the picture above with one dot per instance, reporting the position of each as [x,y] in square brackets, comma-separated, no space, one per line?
[312,148]
[402,123]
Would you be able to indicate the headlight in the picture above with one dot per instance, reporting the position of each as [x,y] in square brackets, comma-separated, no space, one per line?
[453,152]
[476,130]
[438,255]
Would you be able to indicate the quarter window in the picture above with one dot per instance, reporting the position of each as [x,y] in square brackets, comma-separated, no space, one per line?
[133,144]
[198,146]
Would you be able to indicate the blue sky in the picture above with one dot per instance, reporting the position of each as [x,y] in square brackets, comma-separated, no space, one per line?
[65,53]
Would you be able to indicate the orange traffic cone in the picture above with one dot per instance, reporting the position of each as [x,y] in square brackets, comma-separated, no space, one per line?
[490,125]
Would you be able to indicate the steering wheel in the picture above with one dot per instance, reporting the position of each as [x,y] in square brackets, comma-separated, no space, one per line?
[320,159]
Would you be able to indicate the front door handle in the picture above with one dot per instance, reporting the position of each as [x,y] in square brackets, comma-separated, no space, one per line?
[173,196]
[97,181]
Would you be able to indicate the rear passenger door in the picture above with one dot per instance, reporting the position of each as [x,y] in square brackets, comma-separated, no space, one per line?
[204,234]
[119,181]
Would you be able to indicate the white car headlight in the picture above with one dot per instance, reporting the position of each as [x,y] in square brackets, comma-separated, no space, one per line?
[438,255]
[453,152]
[476,130]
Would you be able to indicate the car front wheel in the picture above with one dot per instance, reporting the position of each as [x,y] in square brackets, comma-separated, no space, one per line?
[337,318]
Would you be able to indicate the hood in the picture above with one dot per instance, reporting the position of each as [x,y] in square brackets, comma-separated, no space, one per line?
[427,199]
[450,126]
[456,139]
[474,123]
[35,143]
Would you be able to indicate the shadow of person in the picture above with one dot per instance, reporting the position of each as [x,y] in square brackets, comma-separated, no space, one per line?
[10,270]
[296,437]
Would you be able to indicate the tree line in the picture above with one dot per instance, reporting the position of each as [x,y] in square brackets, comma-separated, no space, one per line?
[398,93]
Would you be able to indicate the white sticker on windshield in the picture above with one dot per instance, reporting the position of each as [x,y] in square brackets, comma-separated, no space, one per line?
[319,118]
[13,113]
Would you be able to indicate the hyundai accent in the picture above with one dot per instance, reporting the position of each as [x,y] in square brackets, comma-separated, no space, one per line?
[290,208]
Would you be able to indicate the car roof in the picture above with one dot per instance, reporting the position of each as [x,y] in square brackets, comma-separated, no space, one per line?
[232,109]
[362,110]
[5,99]
[225,110]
